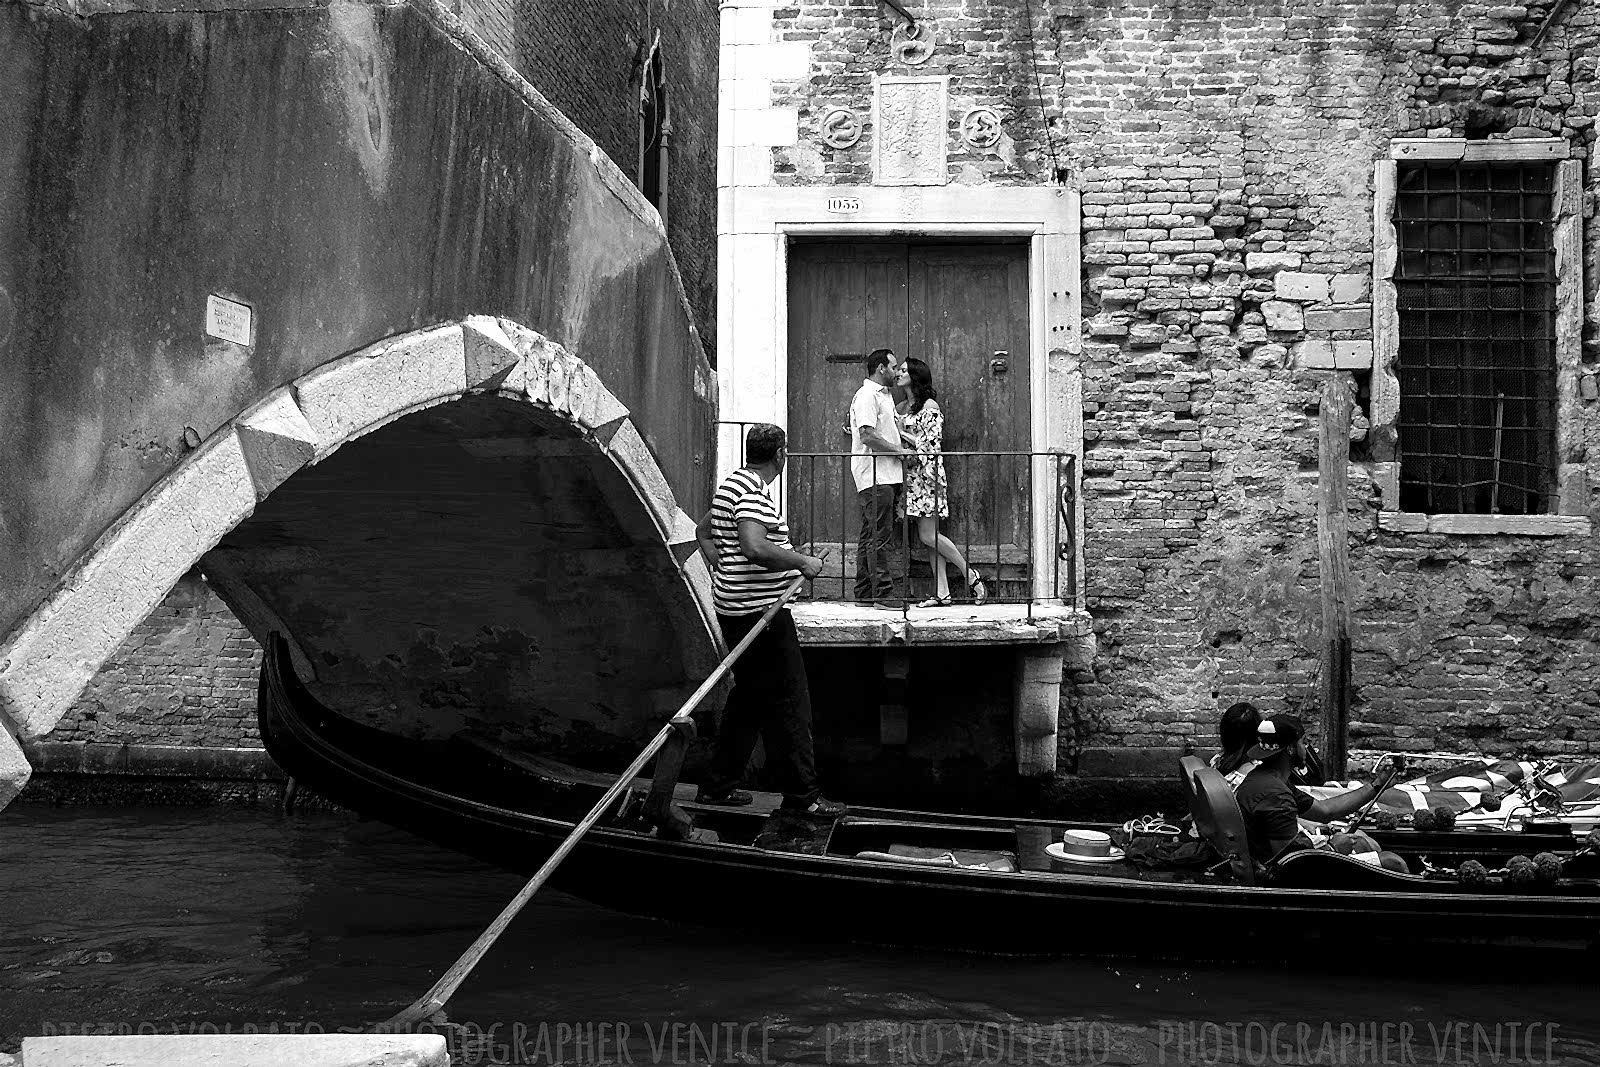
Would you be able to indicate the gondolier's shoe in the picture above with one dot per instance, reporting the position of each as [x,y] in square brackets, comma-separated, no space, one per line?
[733,798]
[818,808]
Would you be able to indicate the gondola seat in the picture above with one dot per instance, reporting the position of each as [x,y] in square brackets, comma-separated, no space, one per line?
[1217,818]
[1187,766]
[1316,868]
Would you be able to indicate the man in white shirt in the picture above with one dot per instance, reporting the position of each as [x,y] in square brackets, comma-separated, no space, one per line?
[875,453]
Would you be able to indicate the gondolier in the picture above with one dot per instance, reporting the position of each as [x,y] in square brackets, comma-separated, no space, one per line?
[746,543]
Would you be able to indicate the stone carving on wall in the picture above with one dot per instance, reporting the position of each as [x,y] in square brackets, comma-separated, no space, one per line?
[909,117]
[980,128]
[912,46]
[840,128]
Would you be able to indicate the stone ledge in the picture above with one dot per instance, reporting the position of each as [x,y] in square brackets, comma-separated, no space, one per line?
[178,761]
[1504,525]
[1133,762]
[239,1050]
[826,623]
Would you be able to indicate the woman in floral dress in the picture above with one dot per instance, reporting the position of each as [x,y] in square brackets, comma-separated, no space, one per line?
[927,498]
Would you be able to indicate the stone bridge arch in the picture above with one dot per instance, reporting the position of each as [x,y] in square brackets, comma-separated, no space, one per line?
[48,660]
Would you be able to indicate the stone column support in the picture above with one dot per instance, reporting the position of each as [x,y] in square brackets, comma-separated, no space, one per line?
[1036,707]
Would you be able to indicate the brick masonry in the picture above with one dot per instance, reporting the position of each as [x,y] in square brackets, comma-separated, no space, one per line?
[586,57]
[185,676]
[1225,154]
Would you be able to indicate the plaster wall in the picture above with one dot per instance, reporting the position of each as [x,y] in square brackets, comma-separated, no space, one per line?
[350,172]
[586,57]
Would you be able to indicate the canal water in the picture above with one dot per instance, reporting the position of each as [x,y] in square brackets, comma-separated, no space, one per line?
[228,919]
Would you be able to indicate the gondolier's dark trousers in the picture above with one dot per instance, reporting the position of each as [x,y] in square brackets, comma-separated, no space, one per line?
[770,701]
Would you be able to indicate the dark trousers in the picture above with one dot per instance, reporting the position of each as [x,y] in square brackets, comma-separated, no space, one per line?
[873,580]
[770,701]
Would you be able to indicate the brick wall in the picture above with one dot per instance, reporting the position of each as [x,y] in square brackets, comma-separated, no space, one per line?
[586,57]
[185,676]
[1225,155]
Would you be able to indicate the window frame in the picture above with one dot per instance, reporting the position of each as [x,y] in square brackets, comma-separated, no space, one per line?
[654,105]
[1570,514]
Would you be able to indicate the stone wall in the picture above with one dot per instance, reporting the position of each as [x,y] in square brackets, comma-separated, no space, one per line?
[409,183]
[186,676]
[1225,153]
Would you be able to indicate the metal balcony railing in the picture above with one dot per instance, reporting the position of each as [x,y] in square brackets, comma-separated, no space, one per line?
[1013,517]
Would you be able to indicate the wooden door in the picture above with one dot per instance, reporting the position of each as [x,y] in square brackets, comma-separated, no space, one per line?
[844,301]
[957,306]
[969,321]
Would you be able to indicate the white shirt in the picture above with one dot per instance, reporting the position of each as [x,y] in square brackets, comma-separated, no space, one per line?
[872,406]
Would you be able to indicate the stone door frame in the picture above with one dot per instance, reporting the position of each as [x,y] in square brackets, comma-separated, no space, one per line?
[757,226]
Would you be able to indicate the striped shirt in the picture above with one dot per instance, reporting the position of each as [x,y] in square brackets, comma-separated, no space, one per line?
[741,586]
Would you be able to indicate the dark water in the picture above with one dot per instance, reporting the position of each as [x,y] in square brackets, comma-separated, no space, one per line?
[210,920]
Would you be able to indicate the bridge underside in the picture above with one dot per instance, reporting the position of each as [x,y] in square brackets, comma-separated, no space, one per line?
[475,565]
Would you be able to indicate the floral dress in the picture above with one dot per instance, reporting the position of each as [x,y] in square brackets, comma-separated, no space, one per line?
[926,492]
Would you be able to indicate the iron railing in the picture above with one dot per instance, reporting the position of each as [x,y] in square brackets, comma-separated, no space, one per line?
[1021,539]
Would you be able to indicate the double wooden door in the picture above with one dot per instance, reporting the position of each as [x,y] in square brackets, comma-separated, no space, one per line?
[963,308]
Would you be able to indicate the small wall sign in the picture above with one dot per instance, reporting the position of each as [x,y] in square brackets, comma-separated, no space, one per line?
[228,320]
[844,205]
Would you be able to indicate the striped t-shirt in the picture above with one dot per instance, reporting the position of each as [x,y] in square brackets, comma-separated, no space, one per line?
[740,586]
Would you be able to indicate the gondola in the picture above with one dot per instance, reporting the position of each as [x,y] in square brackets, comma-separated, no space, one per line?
[866,876]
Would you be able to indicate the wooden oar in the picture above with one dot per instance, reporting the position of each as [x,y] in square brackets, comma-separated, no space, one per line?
[1397,767]
[435,998]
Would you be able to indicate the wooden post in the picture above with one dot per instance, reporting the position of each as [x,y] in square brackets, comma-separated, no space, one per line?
[670,820]
[1333,557]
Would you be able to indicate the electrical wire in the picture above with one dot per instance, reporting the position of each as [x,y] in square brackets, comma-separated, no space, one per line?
[1038,82]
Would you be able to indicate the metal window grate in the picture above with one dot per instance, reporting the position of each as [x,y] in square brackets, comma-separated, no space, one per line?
[1476,285]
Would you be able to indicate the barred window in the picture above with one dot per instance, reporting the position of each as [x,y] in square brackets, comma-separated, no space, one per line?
[1475,287]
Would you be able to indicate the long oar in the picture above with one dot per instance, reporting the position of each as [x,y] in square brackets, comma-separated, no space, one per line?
[434,999]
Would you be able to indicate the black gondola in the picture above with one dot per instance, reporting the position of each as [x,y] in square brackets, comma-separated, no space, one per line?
[803,879]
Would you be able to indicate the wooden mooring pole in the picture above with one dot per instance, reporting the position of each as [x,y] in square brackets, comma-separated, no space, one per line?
[1333,557]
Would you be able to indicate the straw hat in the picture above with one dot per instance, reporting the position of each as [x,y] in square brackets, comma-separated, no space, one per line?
[1085,846]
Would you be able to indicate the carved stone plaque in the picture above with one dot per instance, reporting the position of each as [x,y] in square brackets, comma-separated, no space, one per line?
[840,128]
[909,116]
[980,128]
[912,48]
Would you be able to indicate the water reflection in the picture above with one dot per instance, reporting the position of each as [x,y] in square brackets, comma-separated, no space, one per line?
[191,920]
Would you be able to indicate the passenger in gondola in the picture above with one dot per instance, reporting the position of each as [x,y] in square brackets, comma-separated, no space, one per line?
[1272,807]
[1237,732]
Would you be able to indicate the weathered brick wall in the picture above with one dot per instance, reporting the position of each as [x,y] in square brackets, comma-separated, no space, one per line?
[586,57]
[185,676]
[1225,154]
[983,46]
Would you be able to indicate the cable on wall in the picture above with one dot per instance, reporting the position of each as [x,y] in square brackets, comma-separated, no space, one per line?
[1038,82]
